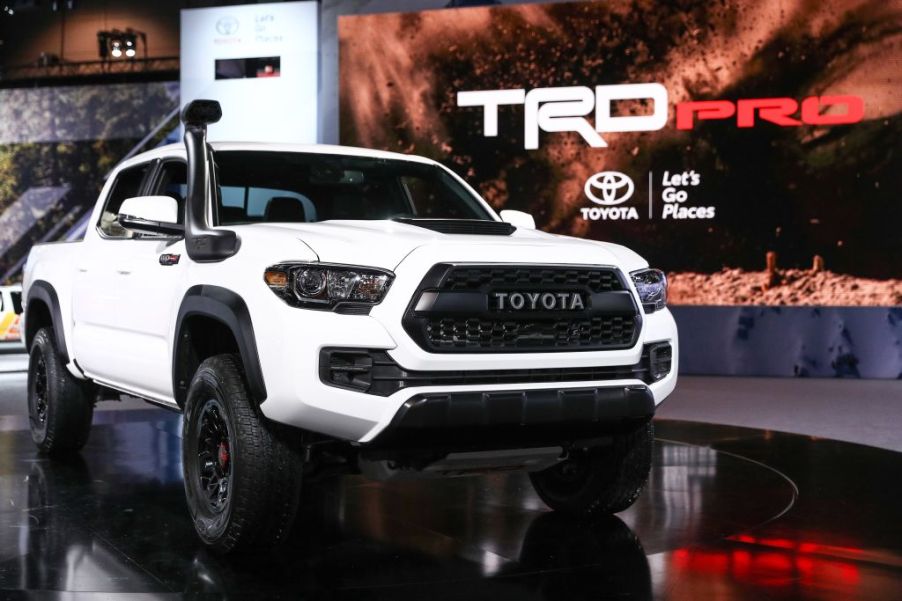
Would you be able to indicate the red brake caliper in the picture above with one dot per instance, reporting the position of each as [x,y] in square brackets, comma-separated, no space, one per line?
[223,455]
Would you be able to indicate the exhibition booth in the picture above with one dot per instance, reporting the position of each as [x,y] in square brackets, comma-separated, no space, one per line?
[750,151]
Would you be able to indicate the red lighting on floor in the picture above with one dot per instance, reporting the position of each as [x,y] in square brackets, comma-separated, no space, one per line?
[799,546]
[776,563]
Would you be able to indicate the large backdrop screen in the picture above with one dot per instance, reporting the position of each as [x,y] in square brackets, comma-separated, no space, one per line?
[751,149]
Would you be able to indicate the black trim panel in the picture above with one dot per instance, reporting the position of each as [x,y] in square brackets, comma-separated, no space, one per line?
[506,419]
[228,308]
[473,227]
[373,371]
[44,291]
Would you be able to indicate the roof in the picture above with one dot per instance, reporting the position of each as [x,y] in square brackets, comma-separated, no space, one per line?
[178,150]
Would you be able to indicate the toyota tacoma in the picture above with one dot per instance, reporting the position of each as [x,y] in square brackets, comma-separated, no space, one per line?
[316,310]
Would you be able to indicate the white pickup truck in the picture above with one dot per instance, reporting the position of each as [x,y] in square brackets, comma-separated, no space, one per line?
[315,310]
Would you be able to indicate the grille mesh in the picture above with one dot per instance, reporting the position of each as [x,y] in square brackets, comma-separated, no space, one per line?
[541,333]
[474,278]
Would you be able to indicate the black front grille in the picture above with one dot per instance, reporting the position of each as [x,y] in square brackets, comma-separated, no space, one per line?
[457,310]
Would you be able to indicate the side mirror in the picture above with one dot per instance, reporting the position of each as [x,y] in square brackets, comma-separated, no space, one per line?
[518,218]
[151,215]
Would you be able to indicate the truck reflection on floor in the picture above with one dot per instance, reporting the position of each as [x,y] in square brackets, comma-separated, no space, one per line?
[57,549]
[113,522]
[81,525]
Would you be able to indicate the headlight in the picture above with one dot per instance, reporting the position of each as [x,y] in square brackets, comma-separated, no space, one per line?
[324,286]
[651,284]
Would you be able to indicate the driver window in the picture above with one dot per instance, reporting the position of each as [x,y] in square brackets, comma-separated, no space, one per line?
[173,182]
[127,185]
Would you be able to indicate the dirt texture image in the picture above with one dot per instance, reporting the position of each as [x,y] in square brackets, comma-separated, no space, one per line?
[791,287]
[798,188]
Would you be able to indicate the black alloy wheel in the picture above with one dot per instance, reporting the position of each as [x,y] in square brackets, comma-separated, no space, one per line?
[214,456]
[37,398]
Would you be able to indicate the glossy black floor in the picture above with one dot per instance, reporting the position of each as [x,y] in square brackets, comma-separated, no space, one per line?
[728,513]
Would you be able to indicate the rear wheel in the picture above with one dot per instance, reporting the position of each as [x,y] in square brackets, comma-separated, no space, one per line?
[600,480]
[242,473]
[60,406]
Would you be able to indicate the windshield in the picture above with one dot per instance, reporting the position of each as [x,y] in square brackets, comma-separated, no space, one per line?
[278,187]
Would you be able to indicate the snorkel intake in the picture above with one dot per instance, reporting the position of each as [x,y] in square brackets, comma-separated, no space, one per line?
[203,243]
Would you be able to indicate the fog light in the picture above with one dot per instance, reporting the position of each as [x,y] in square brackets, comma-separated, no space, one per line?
[660,360]
[346,368]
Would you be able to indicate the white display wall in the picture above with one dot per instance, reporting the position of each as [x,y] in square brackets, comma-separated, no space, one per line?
[260,61]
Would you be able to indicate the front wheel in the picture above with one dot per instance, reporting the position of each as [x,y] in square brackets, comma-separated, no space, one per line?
[242,474]
[600,480]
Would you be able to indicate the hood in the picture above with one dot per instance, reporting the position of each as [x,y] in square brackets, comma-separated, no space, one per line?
[385,244]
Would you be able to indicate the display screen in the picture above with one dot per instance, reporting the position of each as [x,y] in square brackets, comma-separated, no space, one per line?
[751,151]
[248,68]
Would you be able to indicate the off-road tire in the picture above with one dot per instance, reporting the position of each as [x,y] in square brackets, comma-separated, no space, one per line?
[601,480]
[60,406]
[265,470]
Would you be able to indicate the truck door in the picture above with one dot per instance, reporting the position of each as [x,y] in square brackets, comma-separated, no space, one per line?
[151,275]
[127,298]
[95,300]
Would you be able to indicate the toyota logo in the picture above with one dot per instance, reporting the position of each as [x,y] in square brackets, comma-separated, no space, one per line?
[227,25]
[609,188]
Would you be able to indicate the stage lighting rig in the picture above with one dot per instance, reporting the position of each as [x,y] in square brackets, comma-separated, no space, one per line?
[14,7]
[130,43]
[116,47]
[120,44]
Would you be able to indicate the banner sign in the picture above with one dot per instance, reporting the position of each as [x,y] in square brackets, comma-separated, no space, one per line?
[750,149]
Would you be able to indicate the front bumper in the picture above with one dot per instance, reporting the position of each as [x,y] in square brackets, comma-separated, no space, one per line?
[291,341]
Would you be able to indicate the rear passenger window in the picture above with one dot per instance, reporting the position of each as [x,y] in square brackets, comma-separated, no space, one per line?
[127,185]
